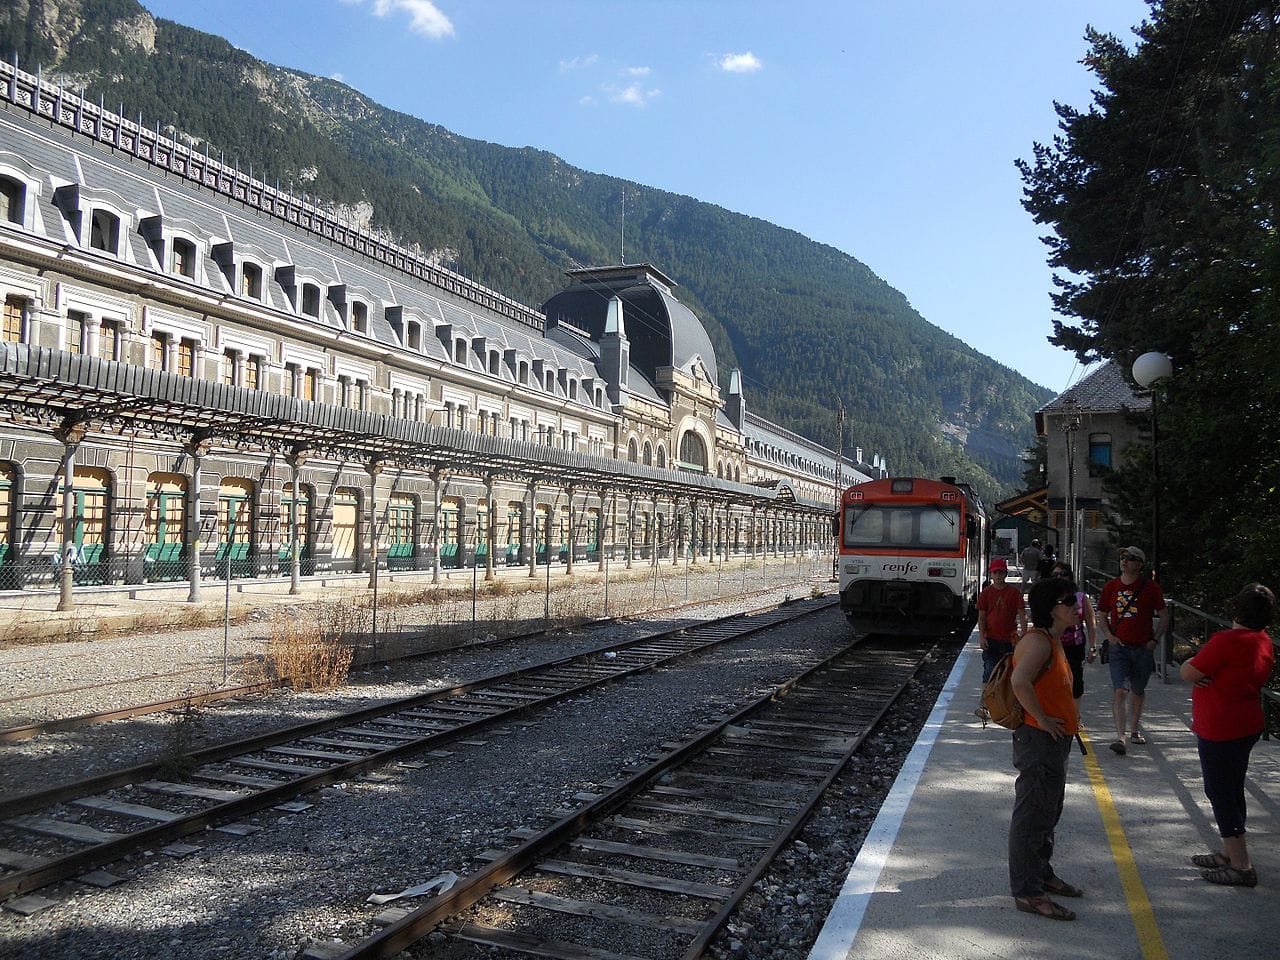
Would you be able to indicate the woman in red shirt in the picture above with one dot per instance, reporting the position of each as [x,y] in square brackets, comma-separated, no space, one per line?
[1226,716]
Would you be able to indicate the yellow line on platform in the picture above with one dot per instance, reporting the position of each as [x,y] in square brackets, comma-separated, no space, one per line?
[1144,919]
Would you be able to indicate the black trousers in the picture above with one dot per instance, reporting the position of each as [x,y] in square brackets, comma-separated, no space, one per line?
[1041,763]
[1223,764]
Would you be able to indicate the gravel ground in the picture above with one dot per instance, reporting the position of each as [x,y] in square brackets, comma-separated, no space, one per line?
[89,672]
[305,876]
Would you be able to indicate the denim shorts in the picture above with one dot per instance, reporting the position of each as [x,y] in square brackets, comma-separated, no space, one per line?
[1131,667]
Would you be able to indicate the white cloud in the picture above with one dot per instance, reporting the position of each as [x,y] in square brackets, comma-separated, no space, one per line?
[633,95]
[587,101]
[578,63]
[425,18]
[739,63]
[637,71]
[336,76]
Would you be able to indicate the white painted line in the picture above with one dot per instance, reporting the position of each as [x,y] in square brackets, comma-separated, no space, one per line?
[845,919]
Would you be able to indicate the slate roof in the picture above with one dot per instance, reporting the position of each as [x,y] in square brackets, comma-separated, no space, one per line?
[1105,390]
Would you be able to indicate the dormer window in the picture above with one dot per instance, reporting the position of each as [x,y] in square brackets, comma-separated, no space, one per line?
[573,389]
[523,373]
[359,316]
[460,350]
[184,258]
[13,200]
[413,336]
[551,381]
[104,231]
[494,361]
[251,281]
[311,300]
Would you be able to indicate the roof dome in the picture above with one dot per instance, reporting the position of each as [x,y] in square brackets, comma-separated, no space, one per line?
[661,330]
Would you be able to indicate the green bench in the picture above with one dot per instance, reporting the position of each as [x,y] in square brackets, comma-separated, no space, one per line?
[400,556]
[164,561]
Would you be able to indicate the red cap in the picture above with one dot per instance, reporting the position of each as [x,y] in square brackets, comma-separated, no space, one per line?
[999,564]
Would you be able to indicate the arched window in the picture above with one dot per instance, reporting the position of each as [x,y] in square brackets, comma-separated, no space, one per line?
[13,200]
[104,231]
[662,457]
[693,452]
[184,257]
[251,281]
[311,300]
[631,450]
[646,456]
[359,316]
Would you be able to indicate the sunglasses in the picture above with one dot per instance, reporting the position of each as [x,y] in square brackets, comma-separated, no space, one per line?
[1066,602]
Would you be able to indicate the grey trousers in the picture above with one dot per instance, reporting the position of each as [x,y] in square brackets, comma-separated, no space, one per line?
[1041,763]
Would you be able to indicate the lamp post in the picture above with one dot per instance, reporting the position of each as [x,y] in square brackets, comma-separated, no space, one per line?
[1071,419]
[1148,370]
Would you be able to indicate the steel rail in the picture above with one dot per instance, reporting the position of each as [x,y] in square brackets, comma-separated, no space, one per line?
[402,933]
[310,777]
[26,731]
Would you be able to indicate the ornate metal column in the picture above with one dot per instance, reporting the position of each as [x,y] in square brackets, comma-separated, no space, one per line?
[491,520]
[528,525]
[373,468]
[71,434]
[296,459]
[437,479]
[199,449]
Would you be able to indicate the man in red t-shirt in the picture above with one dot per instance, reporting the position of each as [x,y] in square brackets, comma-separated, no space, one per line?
[1126,608]
[1002,618]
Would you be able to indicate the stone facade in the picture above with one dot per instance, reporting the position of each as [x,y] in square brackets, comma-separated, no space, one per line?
[373,400]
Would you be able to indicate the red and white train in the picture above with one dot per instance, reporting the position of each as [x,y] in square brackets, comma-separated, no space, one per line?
[912,557]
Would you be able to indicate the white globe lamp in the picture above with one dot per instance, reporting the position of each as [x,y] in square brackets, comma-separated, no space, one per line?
[1150,367]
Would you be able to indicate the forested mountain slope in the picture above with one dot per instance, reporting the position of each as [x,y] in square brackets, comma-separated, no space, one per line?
[808,325]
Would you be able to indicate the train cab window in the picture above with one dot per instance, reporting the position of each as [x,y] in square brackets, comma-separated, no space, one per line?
[907,526]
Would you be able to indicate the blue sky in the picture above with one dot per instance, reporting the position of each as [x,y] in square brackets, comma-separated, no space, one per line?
[886,129]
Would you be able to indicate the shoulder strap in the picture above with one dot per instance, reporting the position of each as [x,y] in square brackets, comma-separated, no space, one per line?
[1049,662]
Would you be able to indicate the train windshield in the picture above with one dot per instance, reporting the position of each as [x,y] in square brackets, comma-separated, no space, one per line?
[915,527]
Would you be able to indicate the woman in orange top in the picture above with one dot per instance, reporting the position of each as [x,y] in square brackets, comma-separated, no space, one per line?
[1042,683]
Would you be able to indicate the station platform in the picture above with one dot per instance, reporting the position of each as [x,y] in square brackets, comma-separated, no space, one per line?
[931,880]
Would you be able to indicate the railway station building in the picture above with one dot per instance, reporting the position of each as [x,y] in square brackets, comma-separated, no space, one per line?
[204,376]
[1087,430]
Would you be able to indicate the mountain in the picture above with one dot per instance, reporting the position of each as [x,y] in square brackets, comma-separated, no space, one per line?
[808,324]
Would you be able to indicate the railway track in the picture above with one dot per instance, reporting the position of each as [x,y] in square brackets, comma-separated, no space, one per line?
[653,867]
[26,731]
[63,832]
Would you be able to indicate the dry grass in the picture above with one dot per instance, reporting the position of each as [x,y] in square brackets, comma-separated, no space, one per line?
[313,653]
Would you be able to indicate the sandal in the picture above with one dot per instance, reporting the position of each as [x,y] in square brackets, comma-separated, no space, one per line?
[1211,861]
[1062,888]
[1118,748]
[1231,877]
[1137,737]
[1044,907]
